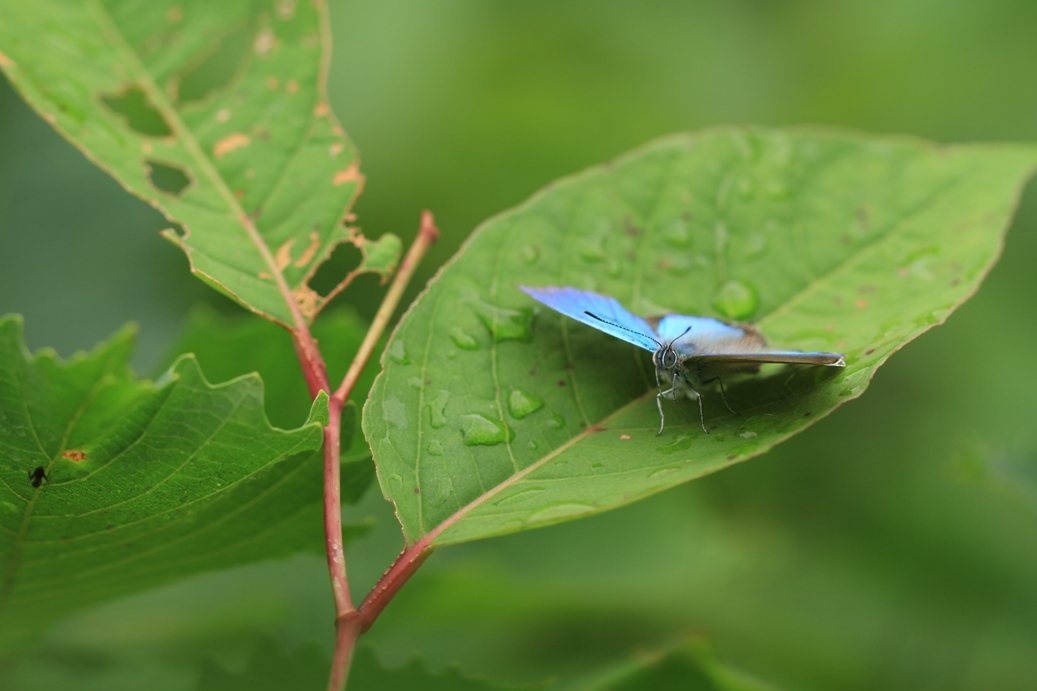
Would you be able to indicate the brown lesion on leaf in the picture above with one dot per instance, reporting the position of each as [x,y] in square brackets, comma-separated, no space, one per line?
[230,143]
[284,255]
[74,455]
[6,62]
[350,174]
[285,9]
[223,115]
[335,149]
[291,86]
[321,110]
[265,41]
[308,301]
[175,14]
[265,276]
[310,251]
[272,83]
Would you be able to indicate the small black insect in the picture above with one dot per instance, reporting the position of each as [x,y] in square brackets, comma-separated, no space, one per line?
[37,476]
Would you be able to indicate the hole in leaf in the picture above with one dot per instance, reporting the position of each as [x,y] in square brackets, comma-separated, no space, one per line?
[141,116]
[166,178]
[216,69]
[344,258]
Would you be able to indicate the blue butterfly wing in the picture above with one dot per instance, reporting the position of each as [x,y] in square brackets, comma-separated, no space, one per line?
[717,342]
[609,315]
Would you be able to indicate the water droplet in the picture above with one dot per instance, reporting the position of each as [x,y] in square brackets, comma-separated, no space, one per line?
[559,511]
[597,465]
[415,383]
[395,414]
[754,245]
[462,339]
[532,445]
[437,408]
[747,434]
[521,404]
[397,478]
[681,443]
[435,448]
[505,324]
[397,352]
[664,471]
[480,431]
[736,300]
[556,422]
[676,233]
[522,493]
[531,254]
[592,250]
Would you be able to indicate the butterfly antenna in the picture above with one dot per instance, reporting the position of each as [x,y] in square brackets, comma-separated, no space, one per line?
[619,326]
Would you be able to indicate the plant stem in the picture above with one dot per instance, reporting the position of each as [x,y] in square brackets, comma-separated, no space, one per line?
[393,580]
[427,234]
[333,511]
[350,622]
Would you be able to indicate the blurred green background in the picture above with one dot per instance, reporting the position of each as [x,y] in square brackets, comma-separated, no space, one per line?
[893,546]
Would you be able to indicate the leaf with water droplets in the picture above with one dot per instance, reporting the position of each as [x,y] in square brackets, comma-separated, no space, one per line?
[827,241]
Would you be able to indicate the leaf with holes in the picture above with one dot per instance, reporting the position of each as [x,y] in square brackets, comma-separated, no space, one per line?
[216,114]
[495,414]
[141,483]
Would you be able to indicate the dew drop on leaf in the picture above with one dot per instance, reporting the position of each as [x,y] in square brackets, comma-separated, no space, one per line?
[664,471]
[463,339]
[435,448]
[556,422]
[531,254]
[505,324]
[415,383]
[521,404]
[736,300]
[480,431]
[558,511]
[437,409]
[395,413]
[522,493]
[676,233]
[397,352]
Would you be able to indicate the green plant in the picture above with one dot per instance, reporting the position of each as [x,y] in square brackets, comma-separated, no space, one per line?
[488,417]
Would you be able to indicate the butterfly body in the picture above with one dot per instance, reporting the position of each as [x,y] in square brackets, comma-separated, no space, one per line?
[688,352]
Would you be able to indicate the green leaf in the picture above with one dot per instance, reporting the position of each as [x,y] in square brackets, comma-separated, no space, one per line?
[216,114]
[147,483]
[230,346]
[494,415]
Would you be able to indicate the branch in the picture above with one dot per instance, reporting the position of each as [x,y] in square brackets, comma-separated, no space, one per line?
[427,234]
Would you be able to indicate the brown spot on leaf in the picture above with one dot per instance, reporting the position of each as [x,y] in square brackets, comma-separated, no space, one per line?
[829,327]
[230,143]
[307,299]
[265,42]
[350,174]
[869,351]
[6,62]
[321,109]
[272,83]
[175,14]
[239,194]
[292,86]
[335,149]
[265,276]
[284,255]
[561,382]
[625,437]
[285,9]
[338,131]
[74,455]
[223,115]
[861,304]
[310,250]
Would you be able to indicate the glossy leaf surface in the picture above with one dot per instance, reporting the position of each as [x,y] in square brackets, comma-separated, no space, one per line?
[494,415]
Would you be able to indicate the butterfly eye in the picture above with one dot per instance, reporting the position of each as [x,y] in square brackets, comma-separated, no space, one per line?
[669,358]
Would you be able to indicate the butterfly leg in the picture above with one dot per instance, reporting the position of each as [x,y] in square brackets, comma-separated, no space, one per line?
[659,402]
[723,394]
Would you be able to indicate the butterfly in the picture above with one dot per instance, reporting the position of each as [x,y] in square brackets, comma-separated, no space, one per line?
[688,352]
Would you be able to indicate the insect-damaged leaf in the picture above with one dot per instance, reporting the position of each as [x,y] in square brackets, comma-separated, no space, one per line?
[495,415]
[149,482]
[213,112]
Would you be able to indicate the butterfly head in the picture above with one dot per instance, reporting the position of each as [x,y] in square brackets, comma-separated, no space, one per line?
[666,358]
